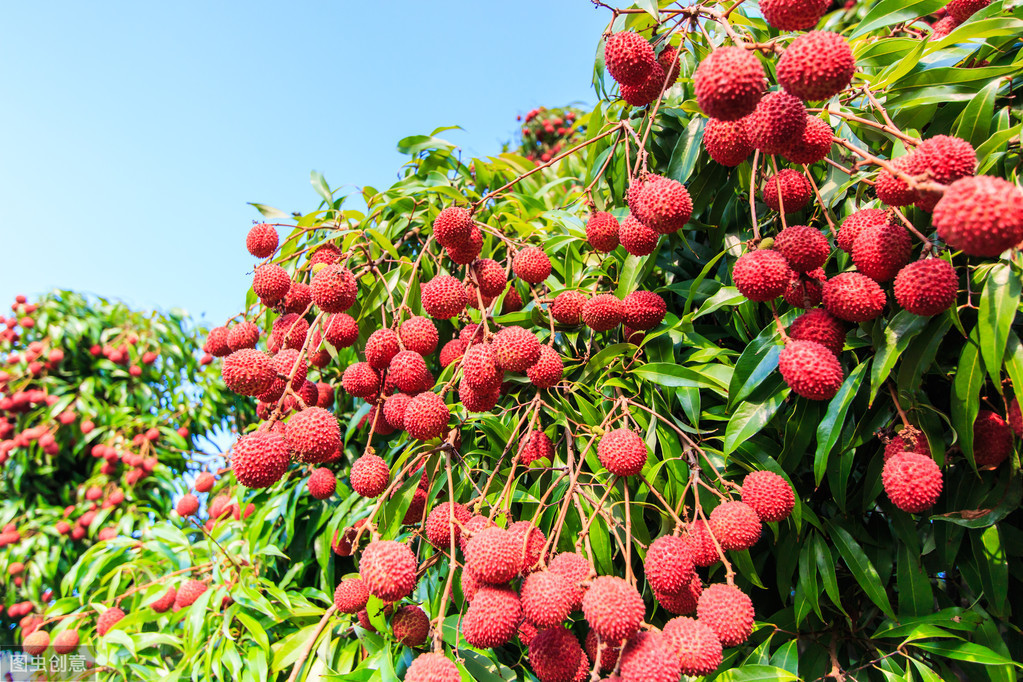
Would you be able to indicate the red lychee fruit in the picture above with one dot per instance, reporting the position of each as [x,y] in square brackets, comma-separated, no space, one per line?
[943,27]
[575,569]
[452,351]
[794,189]
[816,66]
[666,205]
[394,410]
[805,248]
[389,569]
[637,238]
[805,289]
[426,416]
[820,326]
[419,334]
[695,644]
[735,525]
[492,618]
[248,372]
[479,368]
[881,250]
[547,370]
[432,667]
[530,542]
[854,297]
[381,347]
[769,495]
[327,254]
[271,283]
[927,287]
[778,119]
[854,224]
[369,475]
[629,58]
[893,190]
[729,83]
[245,334]
[622,452]
[360,380]
[685,601]
[407,371]
[469,251]
[567,307]
[602,231]
[65,642]
[668,565]
[992,440]
[1015,417]
[452,226]
[643,310]
[536,446]
[649,656]
[813,145]
[108,619]
[980,216]
[793,15]
[204,482]
[613,608]
[313,434]
[961,10]
[912,481]
[490,277]
[761,275]
[532,265]
[288,331]
[216,343]
[334,289]
[478,400]
[188,593]
[36,642]
[554,654]
[440,528]
[165,601]
[351,596]
[728,611]
[642,95]
[443,297]
[259,460]
[603,312]
[668,60]
[322,483]
[945,159]
[727,142]
[341,330]
[609,652]
[547,598]
[907,440]
[410,625]
[188,505]
[515,349]
[810,370]
[493,555]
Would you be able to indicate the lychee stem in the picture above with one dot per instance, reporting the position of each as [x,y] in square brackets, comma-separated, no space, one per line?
[820,202]
[895,400]
[753,195]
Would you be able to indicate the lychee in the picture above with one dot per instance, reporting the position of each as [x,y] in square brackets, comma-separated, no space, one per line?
[980,216]
[360,380]
[728,611]
[668,565]
[244,334]
[778,119]
[389,569]
[927,287]
[769,495]
[432,667]
[493,555]
[816,66]
[381,347]
[341,330]
[189,592]
[602,231]
[735,525]
[666,205]
[643,310]
[880,250]
[961,10]
[407,371]
[727,142]
[322,483]
[515,349]
[603,312]
[426,416]
[536,446]
[761,275]
[351,596]
[788,189]
[729,83]
[810,370]
[855,223]
[36,642]
[622,452]
[334,289]
[188,505]
[313,434]
[452,226]
[216,342]
[259,460]
[554,654]
[629,57]
[547,598]
[793,15]
[613,608]
[912,481]
[271,283]
[469,251]
[567,307]
[248,372]
[685,601]
[695,644]
[108,619]
[492,618]
[443,297]
[479,368]
[805,289]
[441,528]
[854,297]
[637,238]
[813,145]
[805,248]
[648,656]
[532,265]
[992,439]
[410,625]
[369,475]
[65,642]
[452,351]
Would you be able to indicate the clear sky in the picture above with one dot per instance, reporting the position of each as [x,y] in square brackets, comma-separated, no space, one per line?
[132,134]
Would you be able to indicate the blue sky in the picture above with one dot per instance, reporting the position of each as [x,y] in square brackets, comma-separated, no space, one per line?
[133,134]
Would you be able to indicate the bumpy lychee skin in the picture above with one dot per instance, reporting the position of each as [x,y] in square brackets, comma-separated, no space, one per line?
[360,380]
[245,334]
[426,416]
[217,343]
[637,238]
[820,326]
[490,277]
[492,618]
[479,368]
[547,370]
[668,565]
[735,525]
[389,569]
[981,216]
[440,529]
[35,643]
[603,312]
[567,307]
[650,90]
[729,83]
[727,142]
[469,251]
[327,254]
[810,370]
[529,543]
[444,297]
[813,145]
[407,371]
[602,231]
[912,481]
[515,349]
[334,289]
[695,644]
[410,625]
[893,190]
[493,555]
[942,27]
[761,275]
[854,297]
[536,446]
[547,598]
[369,475]
[532,265]
[107,620]
[188,505]
[649,656]
[381,347]
[945,158]
[342,330]
[643,310]
[805,289]
[927,287]
[701,544]
[816,66]
[629,57]
[288,331]
[769,495]
[165,601]
[1015,417]
[351,596]
[65,642]
[666,204]
[613,608]
[609,652]
[419,334]
[911,440]
[794,188]
[881,250]
[478,400]
[433,668]
[452,351]
[313,434]
[554,654]
[622,452]
[322,483]
[961,10]
[248,371]
[728,611]
[685,601]
[271,283]
[260,459]
[778,119]
[855,223]
[452,226]
[793,15]
[189,592]
[805,248]
[992,439]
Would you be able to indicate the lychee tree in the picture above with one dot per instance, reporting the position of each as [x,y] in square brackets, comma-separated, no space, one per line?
[102,410]
[724,388]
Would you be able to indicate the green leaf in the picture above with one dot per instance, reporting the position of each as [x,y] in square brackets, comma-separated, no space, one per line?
[830,428]
[915,596]
[964,651]
[890,12]
[687,151]
[974,124]
[270,212]
[756,673]
[753,415]
[900,331]
[966,387]
[861,567]
[998,303]
[319,184]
